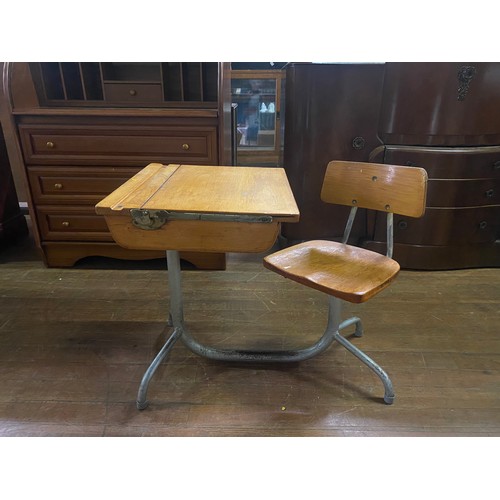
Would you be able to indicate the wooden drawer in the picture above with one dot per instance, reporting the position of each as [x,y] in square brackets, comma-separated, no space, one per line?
[75,185]
[123,146]
[440,226]
[463,193]
[133,93]
[71,224]
[449,163]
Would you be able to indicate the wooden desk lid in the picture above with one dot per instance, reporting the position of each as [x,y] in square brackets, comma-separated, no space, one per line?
[205,189]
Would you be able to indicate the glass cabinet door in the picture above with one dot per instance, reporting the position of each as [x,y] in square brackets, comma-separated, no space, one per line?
[258,98]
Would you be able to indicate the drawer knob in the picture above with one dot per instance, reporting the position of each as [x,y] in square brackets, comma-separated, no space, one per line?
[65,224]
[50,144]
[57,185]
[132,92]
[483,224]
[185,147]
[402,224]
[496,165]
[490,193]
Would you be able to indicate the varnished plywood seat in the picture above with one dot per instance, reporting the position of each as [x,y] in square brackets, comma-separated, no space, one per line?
[349,273]
[344,271]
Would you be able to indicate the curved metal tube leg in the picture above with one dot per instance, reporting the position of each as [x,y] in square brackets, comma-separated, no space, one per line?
[176,319]
[142,403]
[263,356]
[238,355]
[354,320]
[389,391]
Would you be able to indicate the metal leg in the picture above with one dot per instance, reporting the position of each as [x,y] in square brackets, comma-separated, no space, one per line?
[176,319]
[389,391]
[354,320]
[238,355]
[265,356]
[142,402]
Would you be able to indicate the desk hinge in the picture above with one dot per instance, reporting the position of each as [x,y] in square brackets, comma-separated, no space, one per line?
[154,219]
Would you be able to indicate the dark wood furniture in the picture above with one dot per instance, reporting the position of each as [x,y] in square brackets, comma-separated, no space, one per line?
[444,117]
[331,114]
[12,221]
[83,129]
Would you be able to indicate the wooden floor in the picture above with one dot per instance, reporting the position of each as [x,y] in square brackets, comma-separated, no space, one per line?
[74,344]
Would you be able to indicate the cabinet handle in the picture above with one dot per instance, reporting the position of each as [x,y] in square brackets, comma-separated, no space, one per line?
[496,165]
[65,224]
[483,224]
[132,92]
[50,144]
[57,185]
[185,147]
[490,193]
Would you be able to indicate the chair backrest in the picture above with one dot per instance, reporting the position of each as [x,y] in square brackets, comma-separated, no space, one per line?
[393,189]
[387,188]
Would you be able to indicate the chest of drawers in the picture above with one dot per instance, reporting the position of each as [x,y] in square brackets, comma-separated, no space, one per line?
[462,220]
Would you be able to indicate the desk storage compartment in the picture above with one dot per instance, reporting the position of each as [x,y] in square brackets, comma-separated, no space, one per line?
[200,208]
[105,145]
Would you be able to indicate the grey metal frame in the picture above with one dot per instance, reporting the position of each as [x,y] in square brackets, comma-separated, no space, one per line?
[176,320]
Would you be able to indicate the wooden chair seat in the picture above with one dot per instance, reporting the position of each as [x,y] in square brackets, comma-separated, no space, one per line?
[350,273]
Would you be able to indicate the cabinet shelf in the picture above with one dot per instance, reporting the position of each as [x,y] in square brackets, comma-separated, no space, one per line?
[96,84]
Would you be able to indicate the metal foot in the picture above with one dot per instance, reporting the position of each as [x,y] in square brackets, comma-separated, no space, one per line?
[142,405]
[389,399]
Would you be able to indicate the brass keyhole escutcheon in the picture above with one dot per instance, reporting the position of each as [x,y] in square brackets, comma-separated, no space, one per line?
[50,144]
[185,147]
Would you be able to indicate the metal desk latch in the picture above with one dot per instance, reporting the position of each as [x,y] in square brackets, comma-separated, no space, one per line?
[155,219]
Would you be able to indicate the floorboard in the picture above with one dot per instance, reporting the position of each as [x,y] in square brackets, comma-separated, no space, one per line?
[74,344]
